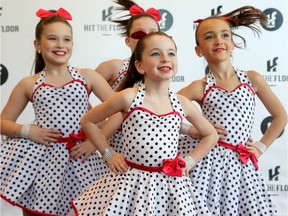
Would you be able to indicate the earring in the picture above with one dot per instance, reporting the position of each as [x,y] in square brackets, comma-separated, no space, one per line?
[39,51]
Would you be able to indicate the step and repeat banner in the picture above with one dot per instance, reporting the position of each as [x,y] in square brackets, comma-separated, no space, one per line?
[97,39]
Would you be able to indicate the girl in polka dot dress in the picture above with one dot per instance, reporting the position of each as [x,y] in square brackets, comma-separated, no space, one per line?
[148,178]
[137,22]
[38,173]
[228,178]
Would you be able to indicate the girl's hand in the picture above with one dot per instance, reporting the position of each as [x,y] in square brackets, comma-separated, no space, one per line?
[221,131]
[252,148]
[85,149]
[43,135]
[117,163]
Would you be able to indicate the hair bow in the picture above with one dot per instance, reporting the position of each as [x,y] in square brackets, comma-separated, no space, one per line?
[138,34]
[135,9]
[60,12]
[200,20]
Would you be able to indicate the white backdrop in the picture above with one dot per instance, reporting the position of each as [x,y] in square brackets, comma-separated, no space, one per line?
[97,39]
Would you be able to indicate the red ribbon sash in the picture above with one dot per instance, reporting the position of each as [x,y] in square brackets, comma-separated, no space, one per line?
[243,152]
[73,139]
[171,167]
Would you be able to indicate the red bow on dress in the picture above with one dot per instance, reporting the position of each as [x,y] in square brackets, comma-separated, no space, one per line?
[135,9]
[61,12]
[245,155]
[173,167]
[243,152]
[73,139]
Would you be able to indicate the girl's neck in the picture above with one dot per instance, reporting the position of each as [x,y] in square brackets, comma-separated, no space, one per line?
[156,89]
[222,72]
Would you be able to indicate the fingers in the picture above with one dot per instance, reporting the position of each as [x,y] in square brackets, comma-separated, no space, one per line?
[117,163]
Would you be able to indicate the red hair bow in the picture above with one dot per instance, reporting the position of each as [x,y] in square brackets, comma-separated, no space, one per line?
[135,9]
[61,12]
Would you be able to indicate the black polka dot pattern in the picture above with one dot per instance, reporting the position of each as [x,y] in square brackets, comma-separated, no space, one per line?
[148,138]
[227,185]
[45,179]
[121,74]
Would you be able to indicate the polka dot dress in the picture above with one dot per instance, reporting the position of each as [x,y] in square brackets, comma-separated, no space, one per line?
[116,140]
[228,186]
[44,179]
[148,139]
[121,74]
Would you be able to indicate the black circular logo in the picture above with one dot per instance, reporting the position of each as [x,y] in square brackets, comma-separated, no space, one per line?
[4,74]
[275,19]
[166,20]
[265,124]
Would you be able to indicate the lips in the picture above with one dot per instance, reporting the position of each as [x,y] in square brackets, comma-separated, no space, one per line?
[165,69]
[60,53]
[219,49]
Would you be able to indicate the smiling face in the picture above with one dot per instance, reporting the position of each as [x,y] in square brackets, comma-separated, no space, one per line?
[214,40]
[159,58]
[55,43]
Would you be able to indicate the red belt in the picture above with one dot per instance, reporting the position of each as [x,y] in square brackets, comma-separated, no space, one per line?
[243,152]
[73,139]
[171,167]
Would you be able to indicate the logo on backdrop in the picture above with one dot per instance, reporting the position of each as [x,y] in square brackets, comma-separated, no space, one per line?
[166,21]
[216,11]
[274,174]
[277,187]
[273,77]
[8,28]
[4,74]
[266,123]
[107,27]
[275,19]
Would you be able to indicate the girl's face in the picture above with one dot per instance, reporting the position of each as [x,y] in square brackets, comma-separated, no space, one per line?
[215,40]
[55,44]
[145,24]
[159,58]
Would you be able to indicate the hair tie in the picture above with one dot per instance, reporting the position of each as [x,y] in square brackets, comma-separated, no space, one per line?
[60,12]
[135,9]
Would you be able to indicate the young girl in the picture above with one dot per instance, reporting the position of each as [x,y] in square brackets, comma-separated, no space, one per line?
[37,171]
[138,23]
[147,178]
[228,178]
[137,20]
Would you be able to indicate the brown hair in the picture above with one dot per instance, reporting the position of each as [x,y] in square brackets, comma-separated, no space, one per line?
[126,23]
[39,63]
[246,16]
[132,76]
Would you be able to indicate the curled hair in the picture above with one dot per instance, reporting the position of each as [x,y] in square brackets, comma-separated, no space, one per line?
[246,16]
[126,21]
[132,76]
[39,63]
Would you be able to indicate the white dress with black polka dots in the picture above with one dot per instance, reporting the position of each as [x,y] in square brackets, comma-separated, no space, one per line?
[227,185]
[148,139]
[115,141]
[44,179]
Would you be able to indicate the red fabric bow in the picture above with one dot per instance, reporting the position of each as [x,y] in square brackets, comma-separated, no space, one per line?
[138,34]
[200,20]
[173,167]
[135,9]
[61,12]
[243,152]
[73,139]
[245,155]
